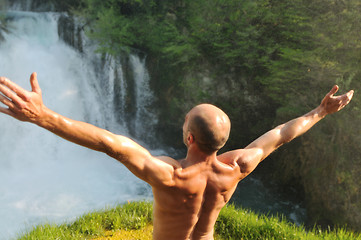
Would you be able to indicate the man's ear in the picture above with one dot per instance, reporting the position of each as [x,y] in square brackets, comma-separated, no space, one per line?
[190,138]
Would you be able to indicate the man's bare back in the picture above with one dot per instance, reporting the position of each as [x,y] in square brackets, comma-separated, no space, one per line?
[188,194]
[192,205]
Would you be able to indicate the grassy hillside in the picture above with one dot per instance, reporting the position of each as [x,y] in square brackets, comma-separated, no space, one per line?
[134,221]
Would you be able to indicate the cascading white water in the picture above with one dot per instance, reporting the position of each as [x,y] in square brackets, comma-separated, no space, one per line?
[143,97]
[42,177]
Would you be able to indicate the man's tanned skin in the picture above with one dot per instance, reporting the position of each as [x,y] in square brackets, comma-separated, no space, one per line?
[189,193]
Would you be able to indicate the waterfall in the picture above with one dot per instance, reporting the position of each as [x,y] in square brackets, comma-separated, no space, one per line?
[42,177]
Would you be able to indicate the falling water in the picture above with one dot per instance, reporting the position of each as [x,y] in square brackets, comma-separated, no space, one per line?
[42,177]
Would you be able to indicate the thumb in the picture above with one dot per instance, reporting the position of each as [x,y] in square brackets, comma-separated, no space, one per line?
[34,83]
[333,91]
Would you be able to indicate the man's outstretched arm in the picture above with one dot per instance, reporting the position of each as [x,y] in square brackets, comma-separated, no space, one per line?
[273,139]
[28,106]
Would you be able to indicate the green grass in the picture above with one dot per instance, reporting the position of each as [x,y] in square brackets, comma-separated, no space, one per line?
[133,221]
[243,224]
[130,216]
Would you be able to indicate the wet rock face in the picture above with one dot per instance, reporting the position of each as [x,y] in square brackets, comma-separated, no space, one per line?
[70,32]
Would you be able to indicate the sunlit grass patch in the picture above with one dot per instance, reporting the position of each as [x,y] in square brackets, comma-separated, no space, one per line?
[144,233]
[241,224]
[134,221]
[131,216]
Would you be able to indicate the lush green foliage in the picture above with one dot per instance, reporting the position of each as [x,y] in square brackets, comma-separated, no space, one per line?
[231,224]
[327,158]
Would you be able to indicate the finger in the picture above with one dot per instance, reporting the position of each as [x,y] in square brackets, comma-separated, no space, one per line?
[333,90]
[348,97]
[13,87]
[350,94]
[10,94]
[6,101]
[34,83]
[6,111]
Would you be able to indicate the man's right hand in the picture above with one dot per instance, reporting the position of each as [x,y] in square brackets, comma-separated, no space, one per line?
[273,139]
[331,104]
[21,104]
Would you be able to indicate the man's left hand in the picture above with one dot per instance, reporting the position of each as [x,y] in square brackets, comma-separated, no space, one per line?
[21,104]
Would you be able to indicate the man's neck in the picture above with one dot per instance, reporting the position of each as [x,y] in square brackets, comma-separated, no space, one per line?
[195,156]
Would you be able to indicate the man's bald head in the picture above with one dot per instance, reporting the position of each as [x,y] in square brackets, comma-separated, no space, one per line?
[209,125]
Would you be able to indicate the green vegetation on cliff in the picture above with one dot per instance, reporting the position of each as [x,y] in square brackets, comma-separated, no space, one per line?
[133,221]
[263,62]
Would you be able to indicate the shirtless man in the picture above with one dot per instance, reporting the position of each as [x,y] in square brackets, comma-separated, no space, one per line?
[188,194]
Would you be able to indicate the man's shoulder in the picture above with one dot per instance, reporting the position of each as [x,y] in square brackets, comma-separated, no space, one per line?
[240,157]
[231,156]
[170,161]
[246,159]
[239,154]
